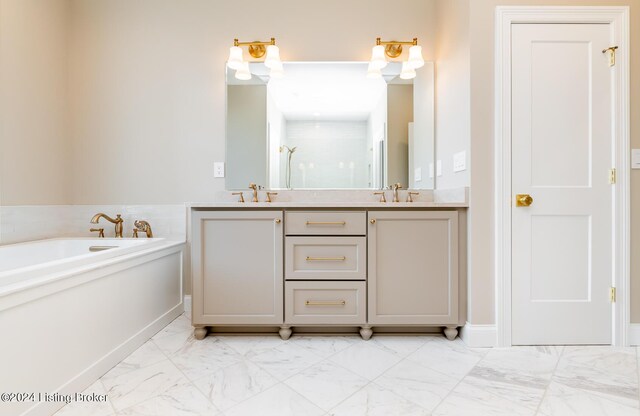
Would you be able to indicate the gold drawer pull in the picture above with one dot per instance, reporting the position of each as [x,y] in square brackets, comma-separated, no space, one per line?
[343,258]
[325,302]
[326,223]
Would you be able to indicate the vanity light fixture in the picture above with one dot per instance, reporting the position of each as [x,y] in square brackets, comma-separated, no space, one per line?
[393,49]
[373,72]
[257,49]
[407,71]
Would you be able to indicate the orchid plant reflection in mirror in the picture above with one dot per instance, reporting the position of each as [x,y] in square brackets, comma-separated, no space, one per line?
[290,152]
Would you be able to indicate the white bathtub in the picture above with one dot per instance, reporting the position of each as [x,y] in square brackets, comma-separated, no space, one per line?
[69,313]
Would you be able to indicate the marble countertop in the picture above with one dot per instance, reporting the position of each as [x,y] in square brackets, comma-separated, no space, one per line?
[449,198]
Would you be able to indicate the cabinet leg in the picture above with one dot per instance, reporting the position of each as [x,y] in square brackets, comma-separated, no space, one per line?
[200,332]
[285,332]
[366,332]
[451,332]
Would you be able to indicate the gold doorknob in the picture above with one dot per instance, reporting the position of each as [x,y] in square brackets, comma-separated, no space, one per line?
[523,200]
[372,221]
[278,220]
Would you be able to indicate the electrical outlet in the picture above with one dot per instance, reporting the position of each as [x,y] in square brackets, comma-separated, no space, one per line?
[431,173]
[439,168]
[635,158]
[460,161]
[218,170]
[417,174]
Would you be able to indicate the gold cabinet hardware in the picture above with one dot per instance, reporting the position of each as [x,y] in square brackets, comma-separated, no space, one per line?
[325,302]
[523,200]
[278,220]
[326,223]
[342,258]
[241,199]
[612,176]
[410,196]
[100,231]
[372,221]
[269,196]
[612,294]
[612,54]
[382,197]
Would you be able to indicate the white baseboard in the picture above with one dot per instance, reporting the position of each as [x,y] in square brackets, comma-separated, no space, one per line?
[479,336]
[634,334]
[187,305]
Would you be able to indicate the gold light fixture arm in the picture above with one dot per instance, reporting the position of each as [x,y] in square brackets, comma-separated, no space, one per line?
[393,48]
[257,48]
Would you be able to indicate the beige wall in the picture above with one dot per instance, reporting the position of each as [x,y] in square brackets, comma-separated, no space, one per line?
[34,144]
[481,270]
[148,81]
[146,91]
[453,105]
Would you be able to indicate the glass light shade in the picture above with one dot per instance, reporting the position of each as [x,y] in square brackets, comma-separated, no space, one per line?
[407,71]
[378,61]
[373,73]
[235,57]
[415,57]
[243,72]
[273,56]
[277,72]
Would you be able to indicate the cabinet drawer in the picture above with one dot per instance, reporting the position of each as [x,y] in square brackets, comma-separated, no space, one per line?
[334,303]
[325,258]
[325,223]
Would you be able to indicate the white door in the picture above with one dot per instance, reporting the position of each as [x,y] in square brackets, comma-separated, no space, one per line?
[562,152]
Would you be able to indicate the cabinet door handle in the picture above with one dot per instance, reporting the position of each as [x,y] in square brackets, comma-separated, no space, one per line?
[326,223]
[325,302]
[372,221]
[343,258]
[278,220]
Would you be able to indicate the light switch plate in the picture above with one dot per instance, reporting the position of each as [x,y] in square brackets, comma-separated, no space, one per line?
[460,161]
[431,173]
[218,170]
[439,168]
[635,158]
[417,174]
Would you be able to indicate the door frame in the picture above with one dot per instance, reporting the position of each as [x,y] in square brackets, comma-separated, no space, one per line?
[618,17]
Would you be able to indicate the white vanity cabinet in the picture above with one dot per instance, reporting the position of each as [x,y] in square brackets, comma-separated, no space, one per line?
[237,268]
[393,266]
[413,269]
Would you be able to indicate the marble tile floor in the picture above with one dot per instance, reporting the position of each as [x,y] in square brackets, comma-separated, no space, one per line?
[175,375]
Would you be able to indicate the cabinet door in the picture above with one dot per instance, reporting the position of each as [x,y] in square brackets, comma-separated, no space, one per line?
[413,267]
[237,267]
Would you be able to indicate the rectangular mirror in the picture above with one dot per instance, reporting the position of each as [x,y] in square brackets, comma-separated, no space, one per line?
[326,125]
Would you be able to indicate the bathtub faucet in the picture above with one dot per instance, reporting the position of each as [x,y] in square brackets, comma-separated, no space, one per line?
[142,226]
[118,222]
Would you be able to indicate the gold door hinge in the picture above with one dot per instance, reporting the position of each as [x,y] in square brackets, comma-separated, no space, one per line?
[612,294]
[612,54]
[612,176]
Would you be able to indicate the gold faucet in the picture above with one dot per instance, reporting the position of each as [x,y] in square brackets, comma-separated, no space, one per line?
[241,199]
[269,194]
[395,188]
[382,197]
[118,222]
[254,187]
[100,231]
[410,196]
[143,226]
